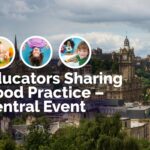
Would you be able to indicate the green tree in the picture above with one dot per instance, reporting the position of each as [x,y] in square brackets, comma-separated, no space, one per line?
[101,133]
[39,136]
[6,143]
[130,143]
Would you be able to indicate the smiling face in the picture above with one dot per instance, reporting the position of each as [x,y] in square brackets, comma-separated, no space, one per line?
[69,45]
[83,50]
[36,52]
[36,57]
[83,53]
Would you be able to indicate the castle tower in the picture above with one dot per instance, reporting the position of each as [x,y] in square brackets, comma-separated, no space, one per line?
[126,61]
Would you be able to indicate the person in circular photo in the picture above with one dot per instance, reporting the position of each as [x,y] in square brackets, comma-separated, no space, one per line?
[75,52]
[7,52]
[36,52]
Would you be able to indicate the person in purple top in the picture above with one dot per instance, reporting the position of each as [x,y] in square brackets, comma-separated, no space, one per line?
[36,56]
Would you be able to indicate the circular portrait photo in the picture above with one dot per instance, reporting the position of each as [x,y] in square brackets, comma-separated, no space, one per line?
[36,52]
[7,52]
[75,52]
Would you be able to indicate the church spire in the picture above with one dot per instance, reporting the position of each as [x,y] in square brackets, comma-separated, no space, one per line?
[16,48]
[126,42]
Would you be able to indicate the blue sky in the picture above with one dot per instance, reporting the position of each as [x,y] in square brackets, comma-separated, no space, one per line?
[104,23]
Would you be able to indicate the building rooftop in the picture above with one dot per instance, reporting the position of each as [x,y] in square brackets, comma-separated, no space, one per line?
[21,128]
[139,108]
[124,118]
[135,124]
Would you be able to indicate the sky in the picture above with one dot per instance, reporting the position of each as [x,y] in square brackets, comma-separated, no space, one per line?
[103,23]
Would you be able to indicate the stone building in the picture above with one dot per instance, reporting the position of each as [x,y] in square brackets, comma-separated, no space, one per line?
[5,124]
[99,54]
[131,88]
[136,128]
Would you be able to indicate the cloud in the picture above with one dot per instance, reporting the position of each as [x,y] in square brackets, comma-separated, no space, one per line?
[101,22]
[107,41]
[81,11]
[103,10]
[21,9]
[133,13]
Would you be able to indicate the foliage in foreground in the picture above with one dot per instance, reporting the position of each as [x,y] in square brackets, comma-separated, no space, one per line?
[102,133]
